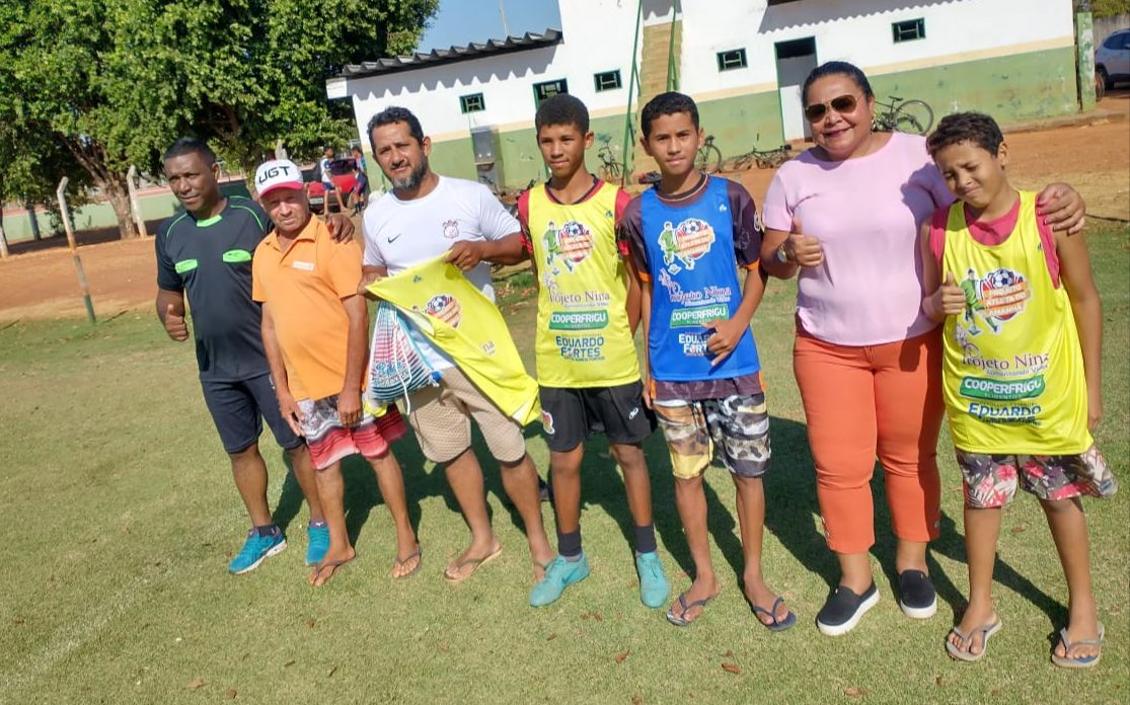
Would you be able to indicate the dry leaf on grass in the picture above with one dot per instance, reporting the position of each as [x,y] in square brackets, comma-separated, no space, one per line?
[332,672]
[731,668]
[622,655]
[637,700]
[230,693]
[1018,528]
[854,692]
[311,622]
[551,637]
[289,663]
[195,683]
[728,654]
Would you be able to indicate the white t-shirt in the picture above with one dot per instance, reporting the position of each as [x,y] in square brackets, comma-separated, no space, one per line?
[324,167]
[400,234]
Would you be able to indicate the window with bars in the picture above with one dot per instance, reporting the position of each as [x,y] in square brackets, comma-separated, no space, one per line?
[548,89]
[909,30]
[607,81]
[472,103]
[732,59]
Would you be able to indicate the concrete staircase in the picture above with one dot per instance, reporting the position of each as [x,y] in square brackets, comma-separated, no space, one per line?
[653,80]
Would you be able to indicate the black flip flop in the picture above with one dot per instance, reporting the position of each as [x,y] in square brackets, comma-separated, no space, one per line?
[777,625]
[680,620]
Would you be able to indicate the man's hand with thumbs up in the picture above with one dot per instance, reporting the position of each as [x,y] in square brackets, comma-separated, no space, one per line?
[947,300]
[172,316]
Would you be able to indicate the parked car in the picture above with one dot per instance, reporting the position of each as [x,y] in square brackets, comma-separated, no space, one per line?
[341,171]
[1112,58]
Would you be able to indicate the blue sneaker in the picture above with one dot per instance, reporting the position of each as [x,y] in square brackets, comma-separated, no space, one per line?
[255,549]
[318,542]
[654,587]
[560,574]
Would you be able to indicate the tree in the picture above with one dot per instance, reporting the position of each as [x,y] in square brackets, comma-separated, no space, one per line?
[32,161]
[113,82]
[1105,8]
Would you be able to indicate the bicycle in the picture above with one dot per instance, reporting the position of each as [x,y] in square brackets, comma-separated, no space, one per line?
[611,170]
[914,117]
[709,157]
[764,159]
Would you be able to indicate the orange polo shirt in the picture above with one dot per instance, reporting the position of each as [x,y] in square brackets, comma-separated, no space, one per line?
[305,286]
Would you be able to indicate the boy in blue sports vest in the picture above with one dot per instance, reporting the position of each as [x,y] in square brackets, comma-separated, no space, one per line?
[688,236]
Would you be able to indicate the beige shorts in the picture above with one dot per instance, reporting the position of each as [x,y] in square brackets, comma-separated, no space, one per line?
[441,417]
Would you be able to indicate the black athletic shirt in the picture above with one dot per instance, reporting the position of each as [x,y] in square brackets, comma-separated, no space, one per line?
[211,260]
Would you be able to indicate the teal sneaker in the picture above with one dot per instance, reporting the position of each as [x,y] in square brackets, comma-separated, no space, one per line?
[654,587]
[318,542]
[255,549]
[560,574]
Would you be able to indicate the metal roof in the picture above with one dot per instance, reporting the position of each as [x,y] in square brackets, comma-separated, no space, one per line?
[529,40]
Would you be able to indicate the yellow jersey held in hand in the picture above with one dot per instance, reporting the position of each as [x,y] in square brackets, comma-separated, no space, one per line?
[583,335]
[459,320]
[1013,368]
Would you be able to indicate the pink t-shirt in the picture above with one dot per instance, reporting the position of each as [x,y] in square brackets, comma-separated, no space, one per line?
[866,212]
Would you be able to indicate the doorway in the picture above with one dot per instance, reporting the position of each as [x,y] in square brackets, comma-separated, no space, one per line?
[795,60]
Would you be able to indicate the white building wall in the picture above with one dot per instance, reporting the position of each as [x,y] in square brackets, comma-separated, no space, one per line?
[955,30]
[597,38]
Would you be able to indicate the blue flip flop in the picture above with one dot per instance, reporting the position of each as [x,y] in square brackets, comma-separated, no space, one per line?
[1078,661]
[777,625]
[680,620]
[986,630]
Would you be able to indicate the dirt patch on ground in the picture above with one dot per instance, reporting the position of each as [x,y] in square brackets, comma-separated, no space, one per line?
[39,280]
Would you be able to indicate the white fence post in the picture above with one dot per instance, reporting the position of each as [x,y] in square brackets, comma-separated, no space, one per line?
[66,214]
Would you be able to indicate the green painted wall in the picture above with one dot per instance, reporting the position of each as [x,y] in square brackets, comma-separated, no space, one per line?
[519,157]
[517,152]
[740,122]
[454,158]
[1012,88]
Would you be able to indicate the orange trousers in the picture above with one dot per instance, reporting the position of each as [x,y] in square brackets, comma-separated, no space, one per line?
[873,401]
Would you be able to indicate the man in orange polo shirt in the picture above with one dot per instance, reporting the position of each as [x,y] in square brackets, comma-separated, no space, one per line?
[315,333]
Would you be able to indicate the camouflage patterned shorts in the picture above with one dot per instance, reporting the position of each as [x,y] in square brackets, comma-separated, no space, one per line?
[738,425]
[990,481]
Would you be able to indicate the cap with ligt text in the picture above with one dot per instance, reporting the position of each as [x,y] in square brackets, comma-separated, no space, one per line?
[276,174]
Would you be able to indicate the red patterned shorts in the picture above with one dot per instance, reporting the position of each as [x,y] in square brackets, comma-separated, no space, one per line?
[990,481]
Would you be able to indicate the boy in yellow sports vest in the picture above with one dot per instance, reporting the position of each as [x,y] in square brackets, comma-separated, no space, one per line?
[1021,373]
[587,368]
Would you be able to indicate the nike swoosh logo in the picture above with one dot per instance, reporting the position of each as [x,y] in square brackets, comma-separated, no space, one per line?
[393,239]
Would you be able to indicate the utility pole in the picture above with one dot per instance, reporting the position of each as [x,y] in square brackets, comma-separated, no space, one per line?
[502,14]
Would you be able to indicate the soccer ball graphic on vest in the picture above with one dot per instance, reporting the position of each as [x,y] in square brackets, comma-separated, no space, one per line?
[687,242]
[446,308]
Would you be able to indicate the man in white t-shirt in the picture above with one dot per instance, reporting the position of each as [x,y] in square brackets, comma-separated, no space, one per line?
[424,216]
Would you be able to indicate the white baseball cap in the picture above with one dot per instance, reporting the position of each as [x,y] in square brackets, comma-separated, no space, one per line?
[277,173]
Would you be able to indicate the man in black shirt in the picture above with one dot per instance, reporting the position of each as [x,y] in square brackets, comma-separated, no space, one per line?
[206,251]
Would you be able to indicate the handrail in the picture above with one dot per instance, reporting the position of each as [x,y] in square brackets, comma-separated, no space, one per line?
[633,86]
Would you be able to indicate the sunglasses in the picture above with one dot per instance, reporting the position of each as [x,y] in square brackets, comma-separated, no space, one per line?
[841,104]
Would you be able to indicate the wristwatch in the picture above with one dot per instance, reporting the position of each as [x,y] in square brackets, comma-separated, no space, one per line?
[782,256]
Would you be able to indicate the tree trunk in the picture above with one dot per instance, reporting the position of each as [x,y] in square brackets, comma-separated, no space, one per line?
[117,192]
[91,156]
[33,219]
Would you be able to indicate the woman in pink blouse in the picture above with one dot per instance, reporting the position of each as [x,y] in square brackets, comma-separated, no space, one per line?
[846,215]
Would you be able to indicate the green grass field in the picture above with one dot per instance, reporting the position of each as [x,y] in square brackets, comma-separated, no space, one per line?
[119,517]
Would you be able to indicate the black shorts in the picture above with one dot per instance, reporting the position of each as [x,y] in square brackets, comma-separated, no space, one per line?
[238,409]
[569,415]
